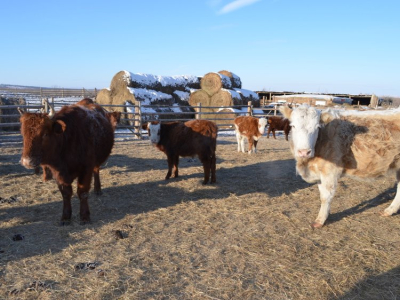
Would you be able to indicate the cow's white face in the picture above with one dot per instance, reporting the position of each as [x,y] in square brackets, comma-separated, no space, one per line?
[154,132]
[262,122]
[305,122]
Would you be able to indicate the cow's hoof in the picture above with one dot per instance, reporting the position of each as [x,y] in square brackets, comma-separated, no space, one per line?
[84,222]
[385,214]
[98,193]
[316,225]
[65,222]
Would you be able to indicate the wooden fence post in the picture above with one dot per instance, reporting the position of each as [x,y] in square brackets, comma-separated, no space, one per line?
[198,115]
[249,108]
[138,118]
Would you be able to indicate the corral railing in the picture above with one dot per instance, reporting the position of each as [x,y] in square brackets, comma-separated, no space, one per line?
[134,116]
[39,92]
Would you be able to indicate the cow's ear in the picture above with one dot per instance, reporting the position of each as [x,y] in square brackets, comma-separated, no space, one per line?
[326,117]
[59,126]
[286,111]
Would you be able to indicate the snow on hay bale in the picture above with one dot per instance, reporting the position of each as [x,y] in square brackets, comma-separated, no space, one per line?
[235,80]
[165,84]
[213,82]
[248,95]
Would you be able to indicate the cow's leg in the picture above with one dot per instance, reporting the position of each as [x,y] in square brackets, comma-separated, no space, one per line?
[255,146]
[238,138]
[66,192]
[97,183]
[47,174]
[84,181]
[287,134]
[327,189]
[273,133]
[207,163]
[170,164]
[213,168]
[251,142]
[269,130]
[395,205]
[176,163]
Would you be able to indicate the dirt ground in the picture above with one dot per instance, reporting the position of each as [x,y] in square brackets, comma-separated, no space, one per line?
[246,237]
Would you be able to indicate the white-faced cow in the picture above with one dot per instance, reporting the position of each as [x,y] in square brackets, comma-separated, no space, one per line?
[73,143]
[195,137]
[251,128]
[330,144]
[278,123]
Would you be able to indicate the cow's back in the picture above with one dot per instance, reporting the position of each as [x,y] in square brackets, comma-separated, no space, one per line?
[89,136]
[362,146]
[186,139]
[247,125]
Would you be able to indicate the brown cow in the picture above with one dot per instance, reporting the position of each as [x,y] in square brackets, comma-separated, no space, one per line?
[278,123]
[71,144]
[195,137]
[251,128]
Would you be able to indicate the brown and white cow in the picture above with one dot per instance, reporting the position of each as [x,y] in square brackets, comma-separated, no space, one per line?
[251,128]
[195,137]
[278,123]
[73,143]
[330,144]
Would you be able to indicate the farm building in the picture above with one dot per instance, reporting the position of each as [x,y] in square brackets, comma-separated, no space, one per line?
[313,99]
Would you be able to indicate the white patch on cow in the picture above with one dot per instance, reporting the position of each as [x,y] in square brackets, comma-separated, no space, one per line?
[262,122]
[305,122]
[154,132]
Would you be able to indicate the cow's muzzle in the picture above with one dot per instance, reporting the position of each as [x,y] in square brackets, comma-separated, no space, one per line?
[28,163]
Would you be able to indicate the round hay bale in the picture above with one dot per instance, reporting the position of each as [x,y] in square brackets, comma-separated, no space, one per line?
[221,98]
[103,97]
[120,80]
[213,82]
[235,80]
[199,96]
[224,117]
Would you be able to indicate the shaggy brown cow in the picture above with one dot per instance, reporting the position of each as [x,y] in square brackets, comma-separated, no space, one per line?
[195,137]
[330,144]
[71,144]
[278,123]
[251,128]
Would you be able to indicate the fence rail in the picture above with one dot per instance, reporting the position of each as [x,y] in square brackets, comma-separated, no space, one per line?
[133,116]
[48,92]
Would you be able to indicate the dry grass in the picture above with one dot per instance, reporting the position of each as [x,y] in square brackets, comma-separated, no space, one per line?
[247,237]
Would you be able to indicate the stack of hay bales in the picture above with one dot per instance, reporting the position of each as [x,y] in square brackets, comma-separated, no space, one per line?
[149,90]
[219,90]
[180,93]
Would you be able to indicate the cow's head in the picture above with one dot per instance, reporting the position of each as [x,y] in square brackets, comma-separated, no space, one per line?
[154,129]
[262,122]
[306,122]
[41,137]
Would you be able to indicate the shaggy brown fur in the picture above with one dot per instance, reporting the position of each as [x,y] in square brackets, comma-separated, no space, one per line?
[71,144]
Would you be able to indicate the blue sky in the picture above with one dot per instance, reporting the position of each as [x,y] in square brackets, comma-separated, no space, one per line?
[274,45]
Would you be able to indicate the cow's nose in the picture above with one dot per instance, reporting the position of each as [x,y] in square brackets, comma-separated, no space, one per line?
[26,162]
[304,153]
